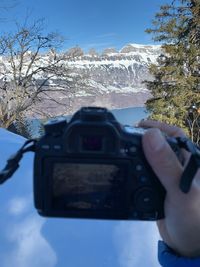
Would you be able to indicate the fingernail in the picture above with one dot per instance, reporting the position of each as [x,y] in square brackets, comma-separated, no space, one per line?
[157,140]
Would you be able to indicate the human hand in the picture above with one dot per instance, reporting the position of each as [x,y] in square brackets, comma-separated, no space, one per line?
[180,229]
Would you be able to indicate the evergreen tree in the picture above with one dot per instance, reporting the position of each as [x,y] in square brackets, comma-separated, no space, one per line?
[176,86]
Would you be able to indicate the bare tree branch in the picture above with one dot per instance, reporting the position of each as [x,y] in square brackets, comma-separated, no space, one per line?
[28,68]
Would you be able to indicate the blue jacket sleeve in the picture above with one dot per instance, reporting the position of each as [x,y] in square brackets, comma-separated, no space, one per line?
[168,258]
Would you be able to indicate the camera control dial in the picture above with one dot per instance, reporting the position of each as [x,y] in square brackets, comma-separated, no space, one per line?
[55,126]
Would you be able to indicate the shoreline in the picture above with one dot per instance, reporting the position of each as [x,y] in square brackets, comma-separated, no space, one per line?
[111,101]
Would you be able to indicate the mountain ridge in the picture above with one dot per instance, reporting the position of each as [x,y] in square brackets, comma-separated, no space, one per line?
[113,79]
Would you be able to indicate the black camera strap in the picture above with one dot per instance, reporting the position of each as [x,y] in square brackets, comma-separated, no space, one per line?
[192,166]
[13,162]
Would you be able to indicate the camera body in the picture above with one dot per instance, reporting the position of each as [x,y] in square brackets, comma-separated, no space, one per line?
[94,167]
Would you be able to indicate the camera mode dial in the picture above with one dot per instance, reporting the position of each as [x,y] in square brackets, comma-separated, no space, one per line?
[55,126]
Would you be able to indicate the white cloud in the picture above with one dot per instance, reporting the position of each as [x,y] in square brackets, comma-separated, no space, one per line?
[18,205]
[137,244]
[30,248]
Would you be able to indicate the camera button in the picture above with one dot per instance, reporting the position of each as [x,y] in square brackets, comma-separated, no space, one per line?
[132,150]
[46,147]
[57,147]
[138,167]
[55,127]
[144,200]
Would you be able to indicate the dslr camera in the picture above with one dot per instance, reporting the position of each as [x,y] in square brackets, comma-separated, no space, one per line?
[94,167]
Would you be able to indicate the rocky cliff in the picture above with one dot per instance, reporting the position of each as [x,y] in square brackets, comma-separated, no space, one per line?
[113,79]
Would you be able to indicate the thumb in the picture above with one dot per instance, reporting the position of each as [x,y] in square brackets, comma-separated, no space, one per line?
[162,159]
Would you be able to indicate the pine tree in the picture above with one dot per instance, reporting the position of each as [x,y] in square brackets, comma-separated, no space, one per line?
[176,86]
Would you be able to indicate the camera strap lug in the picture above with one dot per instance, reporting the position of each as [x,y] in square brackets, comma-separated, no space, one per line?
[193,164]
[13,162]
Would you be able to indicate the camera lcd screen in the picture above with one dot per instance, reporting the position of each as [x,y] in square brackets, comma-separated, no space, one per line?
[88,186]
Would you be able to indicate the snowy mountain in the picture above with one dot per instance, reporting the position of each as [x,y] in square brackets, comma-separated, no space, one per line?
[113,79]
[121,72]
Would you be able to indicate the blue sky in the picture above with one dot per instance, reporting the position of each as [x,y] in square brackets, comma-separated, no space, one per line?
[90,23]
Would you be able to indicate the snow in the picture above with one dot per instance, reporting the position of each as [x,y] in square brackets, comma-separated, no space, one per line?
[114,63]
[28,240]
[146,46]
[145,54]
[142,46]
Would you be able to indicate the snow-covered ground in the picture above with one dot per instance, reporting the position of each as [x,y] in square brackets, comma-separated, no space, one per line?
[28,240]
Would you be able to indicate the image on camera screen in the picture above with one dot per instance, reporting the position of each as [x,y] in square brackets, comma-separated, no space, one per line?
[88,186]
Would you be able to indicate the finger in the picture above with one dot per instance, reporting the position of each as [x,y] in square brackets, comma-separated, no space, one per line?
[162,159]
[170,130]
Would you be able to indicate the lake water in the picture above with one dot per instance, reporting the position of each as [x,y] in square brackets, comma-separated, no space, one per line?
[128,116]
